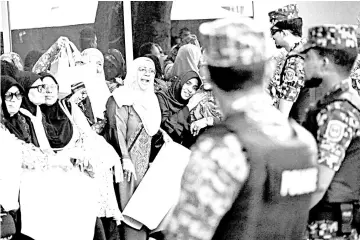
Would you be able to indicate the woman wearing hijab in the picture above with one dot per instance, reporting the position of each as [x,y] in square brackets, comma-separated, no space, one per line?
[133,116]
[33,97]
[114,68]
[207,112]
[85,194]
[12,95]
[92,94]
[94,56]
[207,109]
[11,162]
[187,59]
[176,104]
[30,106]
[61,130]
[13,58]
[27,156]
[17,133]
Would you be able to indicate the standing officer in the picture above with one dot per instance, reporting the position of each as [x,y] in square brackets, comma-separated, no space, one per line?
[250,177]
[334,121]
[288,81]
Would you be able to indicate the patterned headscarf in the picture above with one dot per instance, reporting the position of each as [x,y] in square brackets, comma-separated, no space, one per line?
[115,57]
[13,58]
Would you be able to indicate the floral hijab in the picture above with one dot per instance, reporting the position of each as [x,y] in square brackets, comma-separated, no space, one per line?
[13,58]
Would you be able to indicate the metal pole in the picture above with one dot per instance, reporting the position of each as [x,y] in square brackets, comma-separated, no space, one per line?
[5,21]
[128,33]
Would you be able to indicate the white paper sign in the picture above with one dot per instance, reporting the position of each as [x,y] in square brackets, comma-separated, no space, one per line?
[159,190]
[58,205]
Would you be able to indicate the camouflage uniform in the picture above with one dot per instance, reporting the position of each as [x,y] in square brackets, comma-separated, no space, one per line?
[335,123]
[223,170]
[355,75]
[288,78]
[274,83]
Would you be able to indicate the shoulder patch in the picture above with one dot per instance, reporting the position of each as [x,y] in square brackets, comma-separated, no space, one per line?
[289,74]
[335,130]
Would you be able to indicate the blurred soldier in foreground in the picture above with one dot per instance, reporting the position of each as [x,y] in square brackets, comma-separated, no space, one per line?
[252,176]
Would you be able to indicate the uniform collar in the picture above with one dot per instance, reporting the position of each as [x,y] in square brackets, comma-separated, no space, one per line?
[297,45]
[343,86]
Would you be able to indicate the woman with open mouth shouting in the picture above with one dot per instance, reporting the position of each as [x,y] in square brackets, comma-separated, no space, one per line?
[133,117]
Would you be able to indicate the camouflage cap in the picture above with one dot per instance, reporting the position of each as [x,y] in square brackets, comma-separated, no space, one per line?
[233,42]
[331,36]
[285,13]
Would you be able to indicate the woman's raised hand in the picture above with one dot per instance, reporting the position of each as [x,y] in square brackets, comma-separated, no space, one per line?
[195,100]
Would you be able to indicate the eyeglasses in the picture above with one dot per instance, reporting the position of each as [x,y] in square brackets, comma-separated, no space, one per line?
[274,31]
[144,70]
[40,88]
[50,87]
[10,96]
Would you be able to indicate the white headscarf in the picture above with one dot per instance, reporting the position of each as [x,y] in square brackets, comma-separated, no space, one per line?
[187,59]
[88,55]
[145,103]
[94,81]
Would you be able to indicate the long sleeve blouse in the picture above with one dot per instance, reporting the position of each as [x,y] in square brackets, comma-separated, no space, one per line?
[176,124]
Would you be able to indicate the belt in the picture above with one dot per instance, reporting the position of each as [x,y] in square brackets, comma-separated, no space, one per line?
[7,238]
[343,227]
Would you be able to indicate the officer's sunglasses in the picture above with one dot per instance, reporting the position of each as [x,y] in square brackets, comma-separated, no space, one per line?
[274,31]
[10,96]
[40,88]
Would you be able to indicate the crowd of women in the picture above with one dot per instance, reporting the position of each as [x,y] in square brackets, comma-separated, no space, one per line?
[66,171]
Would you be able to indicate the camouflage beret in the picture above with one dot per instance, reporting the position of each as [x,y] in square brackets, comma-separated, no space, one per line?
[233,42]
[288,12]
[331,36]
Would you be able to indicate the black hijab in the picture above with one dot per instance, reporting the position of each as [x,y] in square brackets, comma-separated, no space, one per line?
[58,127]
[26,80]
[173,94]
[18,124]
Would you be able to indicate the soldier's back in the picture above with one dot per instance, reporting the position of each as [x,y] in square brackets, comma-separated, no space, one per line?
[274,200]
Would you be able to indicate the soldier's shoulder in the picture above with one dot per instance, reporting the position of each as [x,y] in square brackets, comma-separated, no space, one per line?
[346,103]
[222,148]
[294,57]
[215,137]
